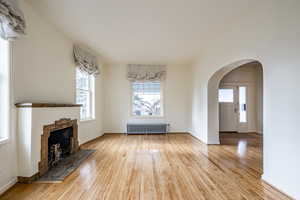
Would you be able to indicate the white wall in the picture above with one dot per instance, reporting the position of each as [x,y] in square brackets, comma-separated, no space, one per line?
[44,71]
[249,75]
[8,164]
[270,34]
[260,101]
[118,96]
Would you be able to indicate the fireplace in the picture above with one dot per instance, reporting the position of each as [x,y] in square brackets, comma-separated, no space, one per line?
[59,145]
[59,140]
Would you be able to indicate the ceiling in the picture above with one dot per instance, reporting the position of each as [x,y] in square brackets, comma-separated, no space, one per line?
[143,31]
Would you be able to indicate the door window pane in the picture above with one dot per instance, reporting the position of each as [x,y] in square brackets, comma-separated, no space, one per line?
[243,105]
[226,96]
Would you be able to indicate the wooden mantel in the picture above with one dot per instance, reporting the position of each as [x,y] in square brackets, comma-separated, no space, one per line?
[45,105]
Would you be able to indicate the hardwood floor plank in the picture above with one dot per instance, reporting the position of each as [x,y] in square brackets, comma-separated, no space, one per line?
[159,167]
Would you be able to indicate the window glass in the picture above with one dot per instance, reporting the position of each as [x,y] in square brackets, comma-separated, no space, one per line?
[242,102]
[85,94]
[4,89]
[146,99]
[82,80]
[226,96]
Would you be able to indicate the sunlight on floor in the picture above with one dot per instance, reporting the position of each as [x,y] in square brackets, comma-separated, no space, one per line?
[242,148]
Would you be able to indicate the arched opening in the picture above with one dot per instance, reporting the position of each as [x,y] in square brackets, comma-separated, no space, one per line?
[235,103]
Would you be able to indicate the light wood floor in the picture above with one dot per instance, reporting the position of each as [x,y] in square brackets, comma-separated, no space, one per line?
[161,167]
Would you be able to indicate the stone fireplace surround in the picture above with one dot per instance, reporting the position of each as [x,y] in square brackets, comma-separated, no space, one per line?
[57,125]
[35,122]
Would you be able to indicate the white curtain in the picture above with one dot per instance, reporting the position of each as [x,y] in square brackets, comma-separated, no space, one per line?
[12,22]
[146,72]
[85,60]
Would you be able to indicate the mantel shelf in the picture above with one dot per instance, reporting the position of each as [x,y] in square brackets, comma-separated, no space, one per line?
[45,105]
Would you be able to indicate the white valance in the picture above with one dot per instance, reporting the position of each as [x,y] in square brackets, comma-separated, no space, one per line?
[12,21]
[146,72]
[85,60]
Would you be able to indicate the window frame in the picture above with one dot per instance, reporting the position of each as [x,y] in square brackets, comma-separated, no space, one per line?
[91,93]
[162,106]
[5,132]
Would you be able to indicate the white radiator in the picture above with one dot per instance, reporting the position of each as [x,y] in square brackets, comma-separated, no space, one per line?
[147,128]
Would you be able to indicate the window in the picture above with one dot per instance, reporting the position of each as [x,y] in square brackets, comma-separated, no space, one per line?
[226,96]
[147,99]
[4,89]
[85,87]
[242,102]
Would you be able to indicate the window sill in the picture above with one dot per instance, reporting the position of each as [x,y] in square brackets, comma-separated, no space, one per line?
[4,141]
[87,120]
[147,117]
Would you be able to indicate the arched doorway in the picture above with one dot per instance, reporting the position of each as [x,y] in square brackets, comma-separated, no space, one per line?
[212,96]
[240,100]
[229,80]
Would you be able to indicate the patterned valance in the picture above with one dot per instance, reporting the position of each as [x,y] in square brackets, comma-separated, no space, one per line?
[12,21]
[85,60]
[146,72]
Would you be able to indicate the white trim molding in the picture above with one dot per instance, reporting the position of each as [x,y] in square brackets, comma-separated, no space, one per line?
[8,185]
[265,179]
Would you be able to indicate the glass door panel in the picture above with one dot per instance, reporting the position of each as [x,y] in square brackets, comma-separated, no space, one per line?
[243,104]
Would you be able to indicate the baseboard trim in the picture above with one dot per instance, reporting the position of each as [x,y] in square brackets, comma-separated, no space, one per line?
[91,141]
[146,134]
[9,185]
[214,142]
[240,133]
[22,179]
[231,132]
[235,132]
[178,133]
[197,138]
[115,133]
[275,188]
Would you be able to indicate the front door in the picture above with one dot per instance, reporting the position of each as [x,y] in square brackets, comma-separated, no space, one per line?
[227,109]
[232,109]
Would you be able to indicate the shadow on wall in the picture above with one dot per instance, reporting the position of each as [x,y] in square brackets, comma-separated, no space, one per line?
[212,98]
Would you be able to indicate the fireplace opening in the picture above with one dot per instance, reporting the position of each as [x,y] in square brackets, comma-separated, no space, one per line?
[59,145]
[59,141]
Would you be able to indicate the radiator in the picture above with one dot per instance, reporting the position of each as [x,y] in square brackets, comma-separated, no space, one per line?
[147,128]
